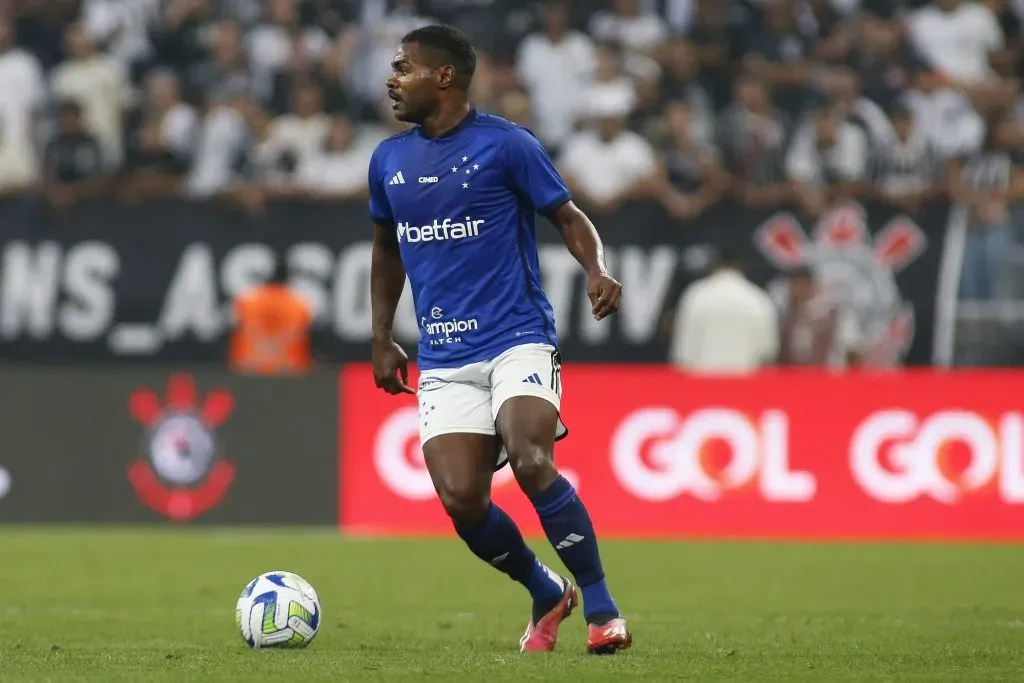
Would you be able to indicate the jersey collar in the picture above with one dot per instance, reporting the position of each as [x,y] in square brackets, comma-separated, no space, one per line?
[466,121]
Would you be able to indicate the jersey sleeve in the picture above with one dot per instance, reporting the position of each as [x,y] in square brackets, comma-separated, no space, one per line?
[380,208]
[531,172]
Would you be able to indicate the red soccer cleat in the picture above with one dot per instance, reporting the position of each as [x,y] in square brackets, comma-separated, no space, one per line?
[609,638]
[542,636]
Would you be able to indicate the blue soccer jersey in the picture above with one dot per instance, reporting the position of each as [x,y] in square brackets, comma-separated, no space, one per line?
[463,206]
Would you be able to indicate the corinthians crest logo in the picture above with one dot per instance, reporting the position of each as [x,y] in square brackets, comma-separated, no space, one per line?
[857,270]
[181,474]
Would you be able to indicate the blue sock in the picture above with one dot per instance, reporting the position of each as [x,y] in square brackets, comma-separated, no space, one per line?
[498,542]
[568,527]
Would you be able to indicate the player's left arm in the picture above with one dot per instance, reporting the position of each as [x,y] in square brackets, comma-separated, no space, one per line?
[533,176]
[581,238]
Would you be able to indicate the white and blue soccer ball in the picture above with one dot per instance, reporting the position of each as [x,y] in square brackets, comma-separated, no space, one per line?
[278,609]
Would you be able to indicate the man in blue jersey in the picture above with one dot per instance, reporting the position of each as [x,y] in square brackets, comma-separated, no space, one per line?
[453,201]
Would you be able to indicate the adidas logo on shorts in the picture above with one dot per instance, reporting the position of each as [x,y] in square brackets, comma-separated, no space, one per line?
[533,379]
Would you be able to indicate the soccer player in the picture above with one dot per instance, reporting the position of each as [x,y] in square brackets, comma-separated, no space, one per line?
[453,201]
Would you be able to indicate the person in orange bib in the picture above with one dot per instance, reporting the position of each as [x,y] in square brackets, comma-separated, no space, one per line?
[272,333]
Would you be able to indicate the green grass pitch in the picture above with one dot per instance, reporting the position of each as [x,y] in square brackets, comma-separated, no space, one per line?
[151,605]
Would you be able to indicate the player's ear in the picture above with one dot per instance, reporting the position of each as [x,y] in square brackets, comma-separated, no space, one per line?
[445,76]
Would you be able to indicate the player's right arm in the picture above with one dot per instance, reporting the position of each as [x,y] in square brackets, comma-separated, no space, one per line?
[387,280]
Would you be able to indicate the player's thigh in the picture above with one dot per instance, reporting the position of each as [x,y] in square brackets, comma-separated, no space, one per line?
[458,440]
[526,398]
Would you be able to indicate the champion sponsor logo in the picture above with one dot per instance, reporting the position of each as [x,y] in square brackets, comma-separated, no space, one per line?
[439,230]
[448,327]
[446,331]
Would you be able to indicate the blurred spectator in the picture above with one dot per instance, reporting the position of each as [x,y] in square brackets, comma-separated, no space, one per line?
[555,66]
[608,165]
[844,88]
[885,64]
[725,324]
[712,43]
[611,87]
[485,89]
[272,333]
[123,28]
[161,143]
[40,26]
[905,169]
[515,105]
[100,85]
[283,41]
[182,39]
[222,143]
[828,159]
[484,21]
[778,54]
[294,137]
[74,165]
[815,330]
[629,25]
[338,172]
[826,21]
[648,116]
[692,177]
[753,136]
[956,39]
[682,82]
[225,74]
[986,183]
[22,93]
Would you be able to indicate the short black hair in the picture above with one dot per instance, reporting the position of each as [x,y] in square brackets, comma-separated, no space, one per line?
[453,47]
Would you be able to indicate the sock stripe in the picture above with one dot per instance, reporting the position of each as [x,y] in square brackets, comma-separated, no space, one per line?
[557,504]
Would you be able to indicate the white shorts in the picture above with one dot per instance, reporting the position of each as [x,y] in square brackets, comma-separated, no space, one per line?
[466,400]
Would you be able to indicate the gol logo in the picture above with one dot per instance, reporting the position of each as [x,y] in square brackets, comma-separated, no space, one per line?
[921,453]
[398,458]
[181,475]
[658,454]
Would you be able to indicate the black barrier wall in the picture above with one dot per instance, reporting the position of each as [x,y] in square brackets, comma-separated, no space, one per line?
[154,282]
[156,444]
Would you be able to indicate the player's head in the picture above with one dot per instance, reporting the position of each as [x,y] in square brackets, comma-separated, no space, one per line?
[433,63]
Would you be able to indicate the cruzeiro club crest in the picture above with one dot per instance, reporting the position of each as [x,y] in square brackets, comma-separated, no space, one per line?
[181,474]
[857,270]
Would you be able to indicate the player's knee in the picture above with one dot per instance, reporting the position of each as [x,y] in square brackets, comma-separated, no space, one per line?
[531,463]
[464,503]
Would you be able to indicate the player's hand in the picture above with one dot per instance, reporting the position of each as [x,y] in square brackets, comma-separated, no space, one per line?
[604,292]
[391,368]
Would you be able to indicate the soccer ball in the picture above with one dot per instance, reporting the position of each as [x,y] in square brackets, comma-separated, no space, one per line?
[278,609]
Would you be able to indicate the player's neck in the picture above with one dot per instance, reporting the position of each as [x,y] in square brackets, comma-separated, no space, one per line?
[447,117]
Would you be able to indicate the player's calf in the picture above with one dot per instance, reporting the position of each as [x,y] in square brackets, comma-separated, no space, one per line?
[461,470]
[527,426]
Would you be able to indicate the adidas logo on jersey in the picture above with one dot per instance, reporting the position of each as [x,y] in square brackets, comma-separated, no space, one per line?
[397,179]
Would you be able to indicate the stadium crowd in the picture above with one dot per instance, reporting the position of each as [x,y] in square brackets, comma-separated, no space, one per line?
[682,102]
